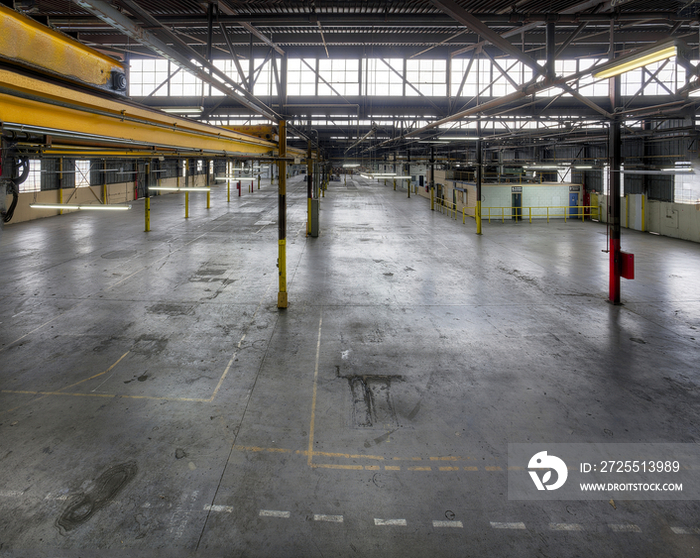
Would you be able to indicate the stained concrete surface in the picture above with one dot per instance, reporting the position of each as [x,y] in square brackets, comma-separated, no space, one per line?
[155,402]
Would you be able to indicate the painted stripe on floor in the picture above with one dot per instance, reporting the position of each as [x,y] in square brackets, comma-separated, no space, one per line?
[685,531]
[566,527]
[390,522]
[454,524]
[515,525]
[328,518]
[275,513]
[227,509]
[624,528]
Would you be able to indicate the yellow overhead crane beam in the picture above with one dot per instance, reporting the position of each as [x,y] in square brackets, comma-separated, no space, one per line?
[40,99]
[36,106]
[27,43]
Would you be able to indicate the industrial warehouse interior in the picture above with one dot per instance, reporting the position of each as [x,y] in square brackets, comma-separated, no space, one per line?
[361,278]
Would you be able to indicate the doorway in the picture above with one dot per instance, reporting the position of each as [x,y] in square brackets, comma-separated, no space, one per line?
[573,205]
[517,206]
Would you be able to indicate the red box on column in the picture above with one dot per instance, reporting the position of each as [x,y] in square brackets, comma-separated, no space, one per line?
[626,265]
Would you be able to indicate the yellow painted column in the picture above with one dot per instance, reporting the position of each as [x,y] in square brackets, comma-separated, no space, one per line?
[60,184]
[105,199]
[187,205]
[258,182]
[147,201]
[282,301]
[208,199]
[478,217]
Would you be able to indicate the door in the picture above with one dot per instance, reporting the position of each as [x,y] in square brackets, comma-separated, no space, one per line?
[573,205]
[517,206]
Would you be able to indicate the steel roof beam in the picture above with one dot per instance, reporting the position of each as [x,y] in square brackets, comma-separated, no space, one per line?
[225,7]
[184,56]
[473,23]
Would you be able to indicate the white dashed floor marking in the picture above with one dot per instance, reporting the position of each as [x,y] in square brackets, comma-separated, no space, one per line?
[566,527]
[390,522]
[684,531]
[275,513]
[624,528]
[227,509]
[453,524]
[328,518]
[515,525]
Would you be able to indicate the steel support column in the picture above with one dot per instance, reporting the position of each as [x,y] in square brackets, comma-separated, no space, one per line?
[282,220]
[309,186]
[147,197]
[431,182]
[479,165]
[615,152]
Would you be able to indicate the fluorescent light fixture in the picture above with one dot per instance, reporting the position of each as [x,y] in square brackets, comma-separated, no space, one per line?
[97,207]
[184,110]
[678,170]
[351,165]
[237,179]
[383,174]
[174,189]
[401,177]
[365,176]
[434,141]
[657,172]
[62,206]
[582,167]
[460,138]
[543,167]
[623,64]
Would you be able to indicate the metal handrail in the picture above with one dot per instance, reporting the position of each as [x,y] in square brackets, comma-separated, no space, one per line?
[580,212]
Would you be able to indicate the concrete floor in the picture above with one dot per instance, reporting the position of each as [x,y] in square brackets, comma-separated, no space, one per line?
[154,401]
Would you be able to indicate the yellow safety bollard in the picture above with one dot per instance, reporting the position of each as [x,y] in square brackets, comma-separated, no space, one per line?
[530,210]
[208,199]
[394,185]
[258,182]
[409,188]
[187,205]
[148,214]
[478,217]
[228,191]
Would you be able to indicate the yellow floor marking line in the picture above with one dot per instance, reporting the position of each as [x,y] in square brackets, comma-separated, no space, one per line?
[238,347]
[60,391]
[103,395]
[348,455]
[45,394]
[313,397]
[332,466]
